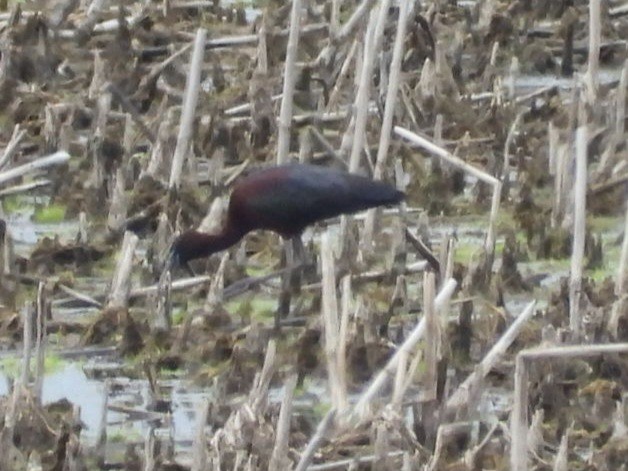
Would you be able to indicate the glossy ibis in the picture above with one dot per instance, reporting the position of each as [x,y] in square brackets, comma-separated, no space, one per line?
[285,199]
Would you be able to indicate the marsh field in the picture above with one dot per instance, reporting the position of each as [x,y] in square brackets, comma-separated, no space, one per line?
[482,324]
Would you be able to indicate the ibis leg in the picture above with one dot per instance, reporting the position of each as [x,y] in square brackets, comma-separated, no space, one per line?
[291,280]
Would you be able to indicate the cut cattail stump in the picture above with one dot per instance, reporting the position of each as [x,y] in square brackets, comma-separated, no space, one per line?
[101,433]
[184,138]
[561,462]
[98,77]
[118,208]
[120,284]
[519,416]
[279,458]
[199,453]
[43,313]
[249,414]
[433,340]
[337,377]
[290,76]
[161,320]
[514,127]
[156,162]
[28,316]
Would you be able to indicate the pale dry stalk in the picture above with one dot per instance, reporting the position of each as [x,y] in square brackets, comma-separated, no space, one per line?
[284,123]
[190,100]
[279,458]
[579,223]
[337,378]
[121,282]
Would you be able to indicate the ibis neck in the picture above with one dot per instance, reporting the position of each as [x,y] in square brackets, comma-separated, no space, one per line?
[212,243]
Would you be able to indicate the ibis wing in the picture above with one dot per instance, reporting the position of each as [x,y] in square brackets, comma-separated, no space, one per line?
[287,199]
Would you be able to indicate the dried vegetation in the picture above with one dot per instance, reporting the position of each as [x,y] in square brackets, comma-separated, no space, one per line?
[134,118]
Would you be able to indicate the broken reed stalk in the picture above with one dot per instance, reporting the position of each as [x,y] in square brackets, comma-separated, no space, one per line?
[595,31]
[445,155]
[158,148]
[186,124]
[560,182]
[161,319]
[319,435]
[345,314]
[262,48]
[118,207]
[336,92]
[401,379]
[353,22]
[12,145]
[561,462]
[27,348]
[199,454]
[489,244]
[372,41]
[150,450]
[101,432]
[26,187]
[360,409]
[392,91]
[178,285]
[506,162]
[620,104]
[356,461]
[217,286]
[40,341]
[284,123]
[432,337]
[120,284]
[389,113]
[57,158]
[259,392]
[467,390]
[519,416]
[334,18]
[279,458]
[91,16]
[337,377]
[579,224]
[552,139]
[98,76]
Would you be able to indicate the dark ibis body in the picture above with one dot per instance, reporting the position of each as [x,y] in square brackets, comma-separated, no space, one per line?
[286,199]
